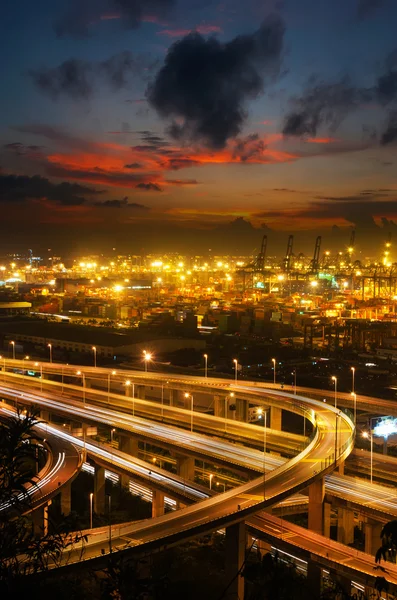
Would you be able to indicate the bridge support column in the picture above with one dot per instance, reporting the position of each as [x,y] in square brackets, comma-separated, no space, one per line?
[241,410]
[66,499]
[185,467]
[40,520]
[219,407]
[235,555]
[316,509]
[341,468]
[157,503]
[45,416]
[314,578]
[140,392]
[327,519]
[275,418]
[372,537]
[99,490]
[345,533]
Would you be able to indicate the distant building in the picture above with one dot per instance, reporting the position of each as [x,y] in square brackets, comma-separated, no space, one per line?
[11,309]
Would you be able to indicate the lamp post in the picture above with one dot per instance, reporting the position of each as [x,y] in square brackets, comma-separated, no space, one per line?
[94,350]
[111,436]
[23,368]
[337,416]
[112,373]
[210,478]
[335,380]
[36,364]
[353,370]
[4,366]
[191,409]
[370,436]
[91,501]
[206,365]
[354,395]
[83,379]
[231,395]
[13,349]
[294,374]
[127,385]
[221,483]
[235,361]
[274,370]
[50,349]
[147,357]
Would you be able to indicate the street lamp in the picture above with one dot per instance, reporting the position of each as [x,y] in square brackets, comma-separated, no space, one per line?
[210,478]
[112,373]
[231,395]
[274,370]
[191,409]
[235,369]
[221,483]
[294,374]
[371,438]
[353,370]
[147,357]
[127,386]
[335,380]
[23,367]
[4,366]
[354,395]
[111,436]
[91,501]
[50,349]
[94,350]
[206,365]
[83,378]
[36,364]
[13,349]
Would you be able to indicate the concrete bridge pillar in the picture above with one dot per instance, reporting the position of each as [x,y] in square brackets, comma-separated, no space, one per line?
[275,418]
[45,416]
[140,392]
[157,503]
[327,519]
[316,506]
[235,556]
[40,520]
[372,537]
[99,490]
[185,467]
[345,533]
[129,445]
[314,578]
[219,407]
[66,499]
[341,468]
[241,410]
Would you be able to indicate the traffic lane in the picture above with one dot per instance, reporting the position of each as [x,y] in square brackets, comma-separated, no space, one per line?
[65,464]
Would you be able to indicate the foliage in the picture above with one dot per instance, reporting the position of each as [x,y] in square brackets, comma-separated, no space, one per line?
[22,552]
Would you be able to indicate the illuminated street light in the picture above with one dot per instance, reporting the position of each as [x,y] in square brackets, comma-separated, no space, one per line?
[210,478]
[49,346]
[371,438]
[112,373]
[294,374]
[274,370]
[91,501]
[314,284]
[23,367]
[147,357]
[354,396]
[206,366]
[191,409]
[230,396]
[353,370]
[36,364]
[13,349]
[235,361]
[335,380]
[83,379]
[94,350]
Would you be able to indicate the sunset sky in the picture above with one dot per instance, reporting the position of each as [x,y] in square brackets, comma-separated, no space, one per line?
[189,124]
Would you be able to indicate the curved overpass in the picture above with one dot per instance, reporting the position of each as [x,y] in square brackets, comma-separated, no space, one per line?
[63,463]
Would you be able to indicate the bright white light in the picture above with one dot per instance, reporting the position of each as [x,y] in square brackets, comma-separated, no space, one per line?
[386,427]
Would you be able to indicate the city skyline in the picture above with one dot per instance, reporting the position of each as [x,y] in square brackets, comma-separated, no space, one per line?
[169,125]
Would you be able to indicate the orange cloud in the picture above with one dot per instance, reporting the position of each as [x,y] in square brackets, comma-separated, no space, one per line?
[323,140]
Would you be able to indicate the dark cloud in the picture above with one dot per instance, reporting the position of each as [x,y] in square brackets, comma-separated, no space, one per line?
[390,134]
[134,165]
[79,79]
[366,8]
[81,14]
[21,188]
[174,164]
[122,204]
[149,187]
[249,147]
[31,151]
[322,104]
[204,84]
